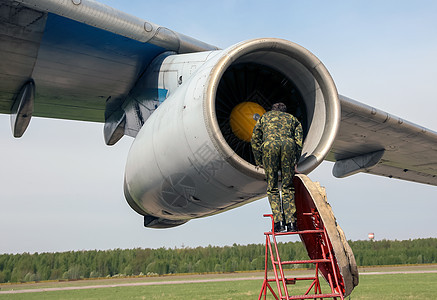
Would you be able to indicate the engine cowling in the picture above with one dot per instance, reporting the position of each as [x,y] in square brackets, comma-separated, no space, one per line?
[187,161]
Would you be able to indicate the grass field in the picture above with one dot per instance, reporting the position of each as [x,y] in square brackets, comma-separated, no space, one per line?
[390,286]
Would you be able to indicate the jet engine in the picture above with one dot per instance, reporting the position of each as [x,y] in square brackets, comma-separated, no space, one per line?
[192,157]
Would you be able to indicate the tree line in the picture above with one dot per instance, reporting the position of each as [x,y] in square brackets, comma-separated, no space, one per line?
[118,262]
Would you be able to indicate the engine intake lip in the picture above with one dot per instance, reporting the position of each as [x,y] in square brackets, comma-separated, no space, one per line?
[312,65]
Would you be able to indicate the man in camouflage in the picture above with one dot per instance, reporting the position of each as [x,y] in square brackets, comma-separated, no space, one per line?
[277,145]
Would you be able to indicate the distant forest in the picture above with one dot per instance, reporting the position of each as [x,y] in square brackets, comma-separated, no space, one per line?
[118,262]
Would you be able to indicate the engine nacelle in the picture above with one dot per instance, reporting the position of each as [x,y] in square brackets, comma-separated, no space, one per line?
[188,162]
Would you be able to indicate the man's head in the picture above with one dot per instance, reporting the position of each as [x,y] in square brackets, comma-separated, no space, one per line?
[279,106]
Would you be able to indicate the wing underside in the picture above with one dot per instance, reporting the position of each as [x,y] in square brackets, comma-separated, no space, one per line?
[79,54]
[375,142]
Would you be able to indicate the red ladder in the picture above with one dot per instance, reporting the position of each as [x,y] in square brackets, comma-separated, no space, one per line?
[325,257]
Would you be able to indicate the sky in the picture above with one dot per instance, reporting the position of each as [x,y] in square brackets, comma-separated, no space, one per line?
[62,187]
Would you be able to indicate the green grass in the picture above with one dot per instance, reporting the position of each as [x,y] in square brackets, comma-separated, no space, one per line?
[397,286]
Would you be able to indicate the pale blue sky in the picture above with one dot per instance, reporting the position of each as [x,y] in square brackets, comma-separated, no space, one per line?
[62,188]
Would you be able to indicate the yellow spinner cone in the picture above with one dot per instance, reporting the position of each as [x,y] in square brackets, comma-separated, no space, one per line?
[243,119]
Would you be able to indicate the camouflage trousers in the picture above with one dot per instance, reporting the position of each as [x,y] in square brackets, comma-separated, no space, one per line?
[279,155]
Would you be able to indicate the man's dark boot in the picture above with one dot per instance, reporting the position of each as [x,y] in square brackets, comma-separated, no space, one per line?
[278,227]
[291,227]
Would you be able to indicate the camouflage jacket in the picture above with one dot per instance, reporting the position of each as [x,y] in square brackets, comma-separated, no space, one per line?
[276,125]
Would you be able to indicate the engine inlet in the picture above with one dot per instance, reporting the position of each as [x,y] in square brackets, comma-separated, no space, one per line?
[247,90]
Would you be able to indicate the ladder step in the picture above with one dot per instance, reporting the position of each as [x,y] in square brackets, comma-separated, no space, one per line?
[292,280]
[295,232]
[316,296]
[311,261]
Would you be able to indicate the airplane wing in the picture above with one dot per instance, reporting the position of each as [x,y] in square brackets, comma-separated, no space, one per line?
[375,142]
[79,53]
